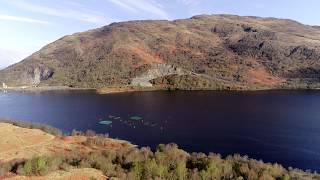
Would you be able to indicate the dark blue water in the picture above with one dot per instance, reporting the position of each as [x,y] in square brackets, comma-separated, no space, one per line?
[275,126]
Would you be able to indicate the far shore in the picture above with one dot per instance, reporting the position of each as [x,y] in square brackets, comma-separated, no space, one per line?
[129,89]
[104,90]
[44,88]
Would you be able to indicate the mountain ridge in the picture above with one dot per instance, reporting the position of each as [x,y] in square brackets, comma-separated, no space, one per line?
[209,51]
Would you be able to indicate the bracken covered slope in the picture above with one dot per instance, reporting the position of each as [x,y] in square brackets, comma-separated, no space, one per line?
[203,52]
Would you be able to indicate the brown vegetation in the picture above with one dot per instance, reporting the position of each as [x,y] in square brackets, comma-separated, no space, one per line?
[25,143]
[223,51]
[98,157]
[71,174]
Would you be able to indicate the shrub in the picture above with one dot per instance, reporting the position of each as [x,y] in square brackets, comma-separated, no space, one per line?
[198,161]
[136,170]
[27,168]
[180,170]
[167,162]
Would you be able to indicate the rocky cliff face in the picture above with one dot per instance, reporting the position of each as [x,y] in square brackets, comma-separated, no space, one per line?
[39,74]
[218,52]
[154,72]
[32,76]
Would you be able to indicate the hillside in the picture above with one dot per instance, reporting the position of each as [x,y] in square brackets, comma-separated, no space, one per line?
[34,154]
[203,52]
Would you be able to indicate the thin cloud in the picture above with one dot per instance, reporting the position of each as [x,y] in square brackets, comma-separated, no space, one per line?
[136,6]
[189,2]
[81,15]
[6,17]
[123,5]
[193,7]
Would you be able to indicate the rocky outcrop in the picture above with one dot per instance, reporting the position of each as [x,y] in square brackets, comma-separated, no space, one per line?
[39,74]
[30,76]
[155,71]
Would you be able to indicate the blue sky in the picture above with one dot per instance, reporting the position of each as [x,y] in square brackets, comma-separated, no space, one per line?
[28,25]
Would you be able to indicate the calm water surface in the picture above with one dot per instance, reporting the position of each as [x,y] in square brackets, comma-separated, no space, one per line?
[275,126]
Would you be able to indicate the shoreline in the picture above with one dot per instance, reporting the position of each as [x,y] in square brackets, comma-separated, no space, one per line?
[46,88]
[127,89]
[131,89]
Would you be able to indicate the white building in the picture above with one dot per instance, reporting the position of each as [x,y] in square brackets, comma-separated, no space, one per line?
[4,86]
